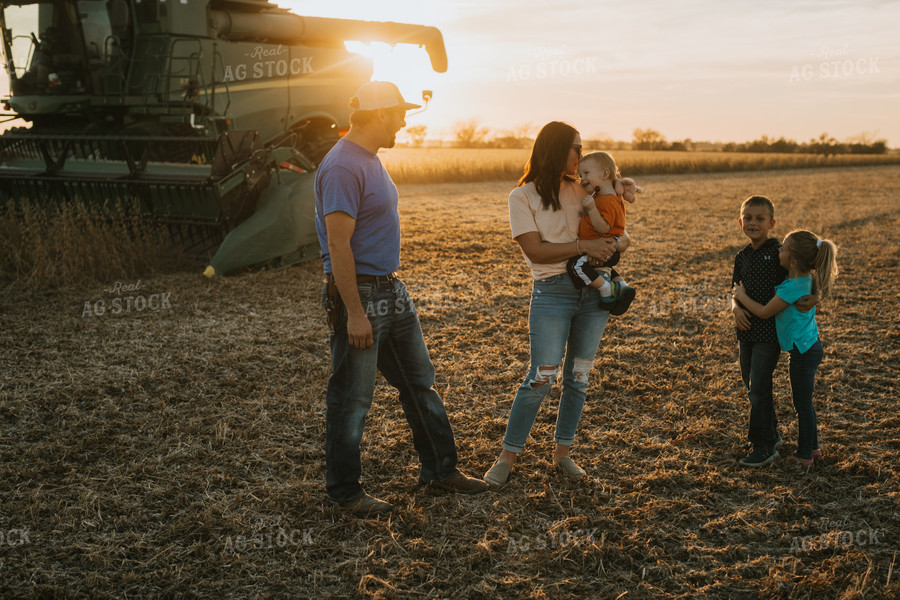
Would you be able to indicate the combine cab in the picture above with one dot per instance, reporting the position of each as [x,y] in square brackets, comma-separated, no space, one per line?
[191,109]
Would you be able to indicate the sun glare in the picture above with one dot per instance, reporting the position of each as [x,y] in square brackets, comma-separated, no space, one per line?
[407,65]
[404,64]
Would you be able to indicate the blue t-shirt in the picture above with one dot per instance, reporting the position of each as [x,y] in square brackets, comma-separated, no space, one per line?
[351,179]
[795,328]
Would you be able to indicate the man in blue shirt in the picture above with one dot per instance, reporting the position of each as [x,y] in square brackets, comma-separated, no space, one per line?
[375,326]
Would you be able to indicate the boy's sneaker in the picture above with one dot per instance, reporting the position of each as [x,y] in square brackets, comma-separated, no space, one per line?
[759,458]
[778,444]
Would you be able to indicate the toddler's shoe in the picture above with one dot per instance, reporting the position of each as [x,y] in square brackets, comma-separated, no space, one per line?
[620,299]
[621,305]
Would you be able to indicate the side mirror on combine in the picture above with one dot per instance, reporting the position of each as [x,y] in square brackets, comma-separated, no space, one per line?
[426,96]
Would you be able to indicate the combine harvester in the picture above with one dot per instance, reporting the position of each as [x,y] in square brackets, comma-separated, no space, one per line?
[208,115]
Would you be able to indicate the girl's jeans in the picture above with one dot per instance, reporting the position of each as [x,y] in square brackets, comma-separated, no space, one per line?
[563,321]
[803,377]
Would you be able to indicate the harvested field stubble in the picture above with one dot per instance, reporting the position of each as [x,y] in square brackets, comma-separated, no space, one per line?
[178,452]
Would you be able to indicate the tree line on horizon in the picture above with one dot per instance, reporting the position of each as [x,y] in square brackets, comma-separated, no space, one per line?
[470,134]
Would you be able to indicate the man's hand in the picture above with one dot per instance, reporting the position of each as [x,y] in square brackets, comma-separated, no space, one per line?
[359,331]
[340,227]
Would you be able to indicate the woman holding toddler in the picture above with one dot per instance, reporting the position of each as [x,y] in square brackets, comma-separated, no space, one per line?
[565,322]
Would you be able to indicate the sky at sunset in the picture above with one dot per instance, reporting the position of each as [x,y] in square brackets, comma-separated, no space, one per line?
[718,71]
[705,70]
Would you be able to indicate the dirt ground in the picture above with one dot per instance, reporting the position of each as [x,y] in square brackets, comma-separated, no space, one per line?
[172,446]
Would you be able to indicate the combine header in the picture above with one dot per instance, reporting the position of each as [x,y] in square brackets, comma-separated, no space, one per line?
[193,110]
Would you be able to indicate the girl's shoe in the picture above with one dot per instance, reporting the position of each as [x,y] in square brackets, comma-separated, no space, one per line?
[805,463]
[817,456]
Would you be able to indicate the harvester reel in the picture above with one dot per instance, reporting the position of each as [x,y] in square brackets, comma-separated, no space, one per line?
[236,148]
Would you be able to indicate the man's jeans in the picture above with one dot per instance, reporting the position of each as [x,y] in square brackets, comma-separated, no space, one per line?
[803,378]
[562,320]
[758,362]
[400,354]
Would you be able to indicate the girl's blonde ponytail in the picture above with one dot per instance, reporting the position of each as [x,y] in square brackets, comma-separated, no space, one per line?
[815,255]
[825,267]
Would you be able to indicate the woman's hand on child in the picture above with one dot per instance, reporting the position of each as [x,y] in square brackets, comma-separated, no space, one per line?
[601,248]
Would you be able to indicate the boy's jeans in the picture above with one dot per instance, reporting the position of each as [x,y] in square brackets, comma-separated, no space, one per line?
[758,362]
[400,354]
[803,377]
[562,321]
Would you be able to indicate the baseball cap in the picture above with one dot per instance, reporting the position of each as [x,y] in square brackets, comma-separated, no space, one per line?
[379,94]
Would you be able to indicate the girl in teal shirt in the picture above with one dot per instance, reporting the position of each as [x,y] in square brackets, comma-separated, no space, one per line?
[812,265]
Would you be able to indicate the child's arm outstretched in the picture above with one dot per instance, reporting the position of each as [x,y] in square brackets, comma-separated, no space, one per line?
[775,305]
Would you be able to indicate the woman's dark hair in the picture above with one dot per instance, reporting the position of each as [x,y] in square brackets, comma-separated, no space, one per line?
[548,161]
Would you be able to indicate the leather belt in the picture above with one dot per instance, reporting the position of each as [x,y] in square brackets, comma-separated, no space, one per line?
[376,279]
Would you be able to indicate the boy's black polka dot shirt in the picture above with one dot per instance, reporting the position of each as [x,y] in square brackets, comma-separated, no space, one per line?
[760,272]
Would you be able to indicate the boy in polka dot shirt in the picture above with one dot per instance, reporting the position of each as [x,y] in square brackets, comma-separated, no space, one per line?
[758,268]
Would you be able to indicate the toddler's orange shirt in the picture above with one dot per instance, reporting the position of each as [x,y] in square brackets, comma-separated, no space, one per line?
[612,209]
